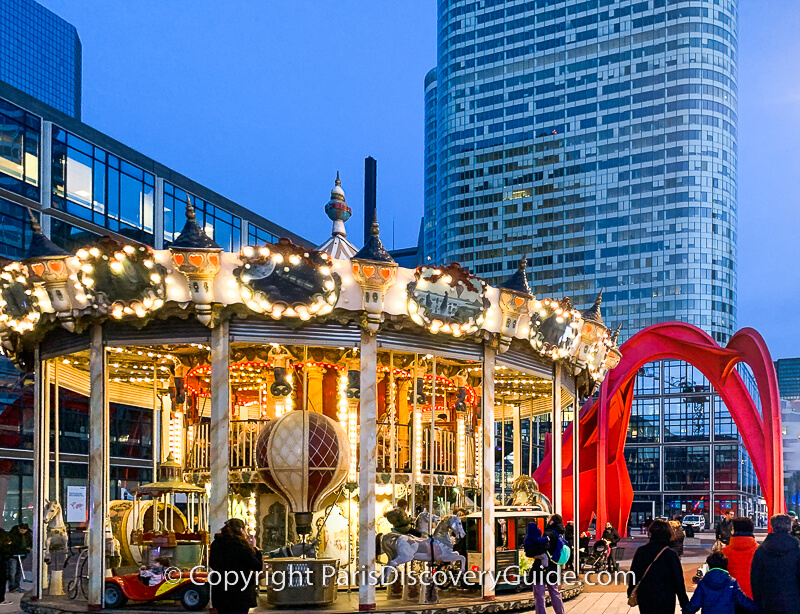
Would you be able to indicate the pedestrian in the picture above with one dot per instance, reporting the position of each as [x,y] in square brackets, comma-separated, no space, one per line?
[725,528]
[718,592]
[740,552]
[656,573]
[775,572]
[546,572]
[231,551]
[677,536]
[646,525]
[6,549]
[611,535]
[21,545]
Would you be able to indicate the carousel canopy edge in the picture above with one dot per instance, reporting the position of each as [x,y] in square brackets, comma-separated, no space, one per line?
[293,285]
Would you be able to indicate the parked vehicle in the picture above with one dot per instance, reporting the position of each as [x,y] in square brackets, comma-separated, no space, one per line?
[191,591]
[696,521]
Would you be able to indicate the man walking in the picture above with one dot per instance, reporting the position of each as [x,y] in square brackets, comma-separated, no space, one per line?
[775,572]
[725,528]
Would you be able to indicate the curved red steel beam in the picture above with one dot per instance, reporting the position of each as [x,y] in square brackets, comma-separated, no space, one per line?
[670,340]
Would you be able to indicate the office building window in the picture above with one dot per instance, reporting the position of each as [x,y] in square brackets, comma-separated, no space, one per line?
[101,188]
[19,151]
[15,230]
[643,426]
[223,227]
[680,505]
[648,379]
[69,237]
[724,426]
[643,467]
[686,467]
[259,236]
[687,418]
[727,467]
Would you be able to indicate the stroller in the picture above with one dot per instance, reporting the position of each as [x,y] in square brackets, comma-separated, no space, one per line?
[595,556]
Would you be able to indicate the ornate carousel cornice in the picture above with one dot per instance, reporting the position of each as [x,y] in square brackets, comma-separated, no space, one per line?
[134,284]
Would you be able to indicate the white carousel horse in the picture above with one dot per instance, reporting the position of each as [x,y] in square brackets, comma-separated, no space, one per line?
[404,548]
[423,522]
[56,530]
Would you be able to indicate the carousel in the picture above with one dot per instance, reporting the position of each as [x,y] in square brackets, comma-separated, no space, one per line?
[306,391]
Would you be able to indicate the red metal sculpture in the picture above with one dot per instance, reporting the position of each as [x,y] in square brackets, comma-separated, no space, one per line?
[605,486]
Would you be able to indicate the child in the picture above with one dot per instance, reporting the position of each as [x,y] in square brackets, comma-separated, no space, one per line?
[717,592]
[155,573]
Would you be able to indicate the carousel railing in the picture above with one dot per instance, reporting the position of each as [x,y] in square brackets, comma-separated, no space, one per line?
[244,435]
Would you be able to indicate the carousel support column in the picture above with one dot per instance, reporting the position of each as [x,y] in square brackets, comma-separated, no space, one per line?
[367,469]
[487,406]
[219,460]
[517,441]
[315,373]
[602,459]
[40,475]
[576,481]
[556,439]
[98,467]
[157,425]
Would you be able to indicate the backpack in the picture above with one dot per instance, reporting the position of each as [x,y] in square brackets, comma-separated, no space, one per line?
[563,552]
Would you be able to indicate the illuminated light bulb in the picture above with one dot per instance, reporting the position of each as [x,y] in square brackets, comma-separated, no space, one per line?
[128,249]
[95,253]
[248,252]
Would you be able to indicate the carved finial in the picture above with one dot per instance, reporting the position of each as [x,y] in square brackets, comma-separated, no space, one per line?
[190,215]
[35,227]
[338,181]
[523,263]
[375,229]
[599,298]
[615,336]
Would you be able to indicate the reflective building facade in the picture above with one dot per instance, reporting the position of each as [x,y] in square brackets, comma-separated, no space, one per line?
[41,55]
[599,138]
[83,184]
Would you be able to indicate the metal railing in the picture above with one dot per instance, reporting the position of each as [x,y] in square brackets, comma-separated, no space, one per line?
[244,436]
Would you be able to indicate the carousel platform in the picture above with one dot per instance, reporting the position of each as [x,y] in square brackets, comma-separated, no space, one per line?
[449,603]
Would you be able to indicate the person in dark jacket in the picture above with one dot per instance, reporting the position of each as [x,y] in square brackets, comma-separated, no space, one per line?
[725,528]
[230,551]
[664,581]
[717,592]
[6,549]
[546,576]
[775,572]
[21,545]
[611,535]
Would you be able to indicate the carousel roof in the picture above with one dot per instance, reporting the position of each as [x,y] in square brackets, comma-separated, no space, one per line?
[41,246]
[337,210]
[134,284]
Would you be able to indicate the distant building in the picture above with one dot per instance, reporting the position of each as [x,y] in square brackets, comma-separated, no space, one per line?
[40,54]
[788,370]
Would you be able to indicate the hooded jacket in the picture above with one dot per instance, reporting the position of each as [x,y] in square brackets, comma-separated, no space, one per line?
[740,557]
[658,587]
[534,543]
[718,593]
[775,574]
[228,553]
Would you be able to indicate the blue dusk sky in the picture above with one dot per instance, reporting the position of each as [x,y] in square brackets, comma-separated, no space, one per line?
[264,101]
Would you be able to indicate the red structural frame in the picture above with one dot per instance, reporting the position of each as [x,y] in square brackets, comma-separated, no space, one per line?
[605,486]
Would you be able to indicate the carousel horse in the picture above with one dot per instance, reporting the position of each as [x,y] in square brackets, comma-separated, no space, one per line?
[404,548]
[423,522]
[55,529]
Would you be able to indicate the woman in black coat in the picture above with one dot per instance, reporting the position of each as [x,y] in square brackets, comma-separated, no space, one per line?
[230,551]
[658,589]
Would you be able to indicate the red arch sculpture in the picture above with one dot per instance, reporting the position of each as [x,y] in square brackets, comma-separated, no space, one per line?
[604,423]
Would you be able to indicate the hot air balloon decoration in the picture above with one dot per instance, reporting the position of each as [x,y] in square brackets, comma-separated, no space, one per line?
[304,470]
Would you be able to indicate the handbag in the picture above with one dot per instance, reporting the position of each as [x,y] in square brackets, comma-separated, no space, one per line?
[633,600]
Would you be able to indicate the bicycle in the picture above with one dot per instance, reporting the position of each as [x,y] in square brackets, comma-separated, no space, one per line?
[80,583]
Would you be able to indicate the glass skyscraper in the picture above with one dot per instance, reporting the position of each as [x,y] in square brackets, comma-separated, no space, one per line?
[599,138]
[40,54]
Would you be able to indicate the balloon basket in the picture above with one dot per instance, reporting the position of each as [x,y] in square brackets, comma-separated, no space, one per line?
[295,582]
